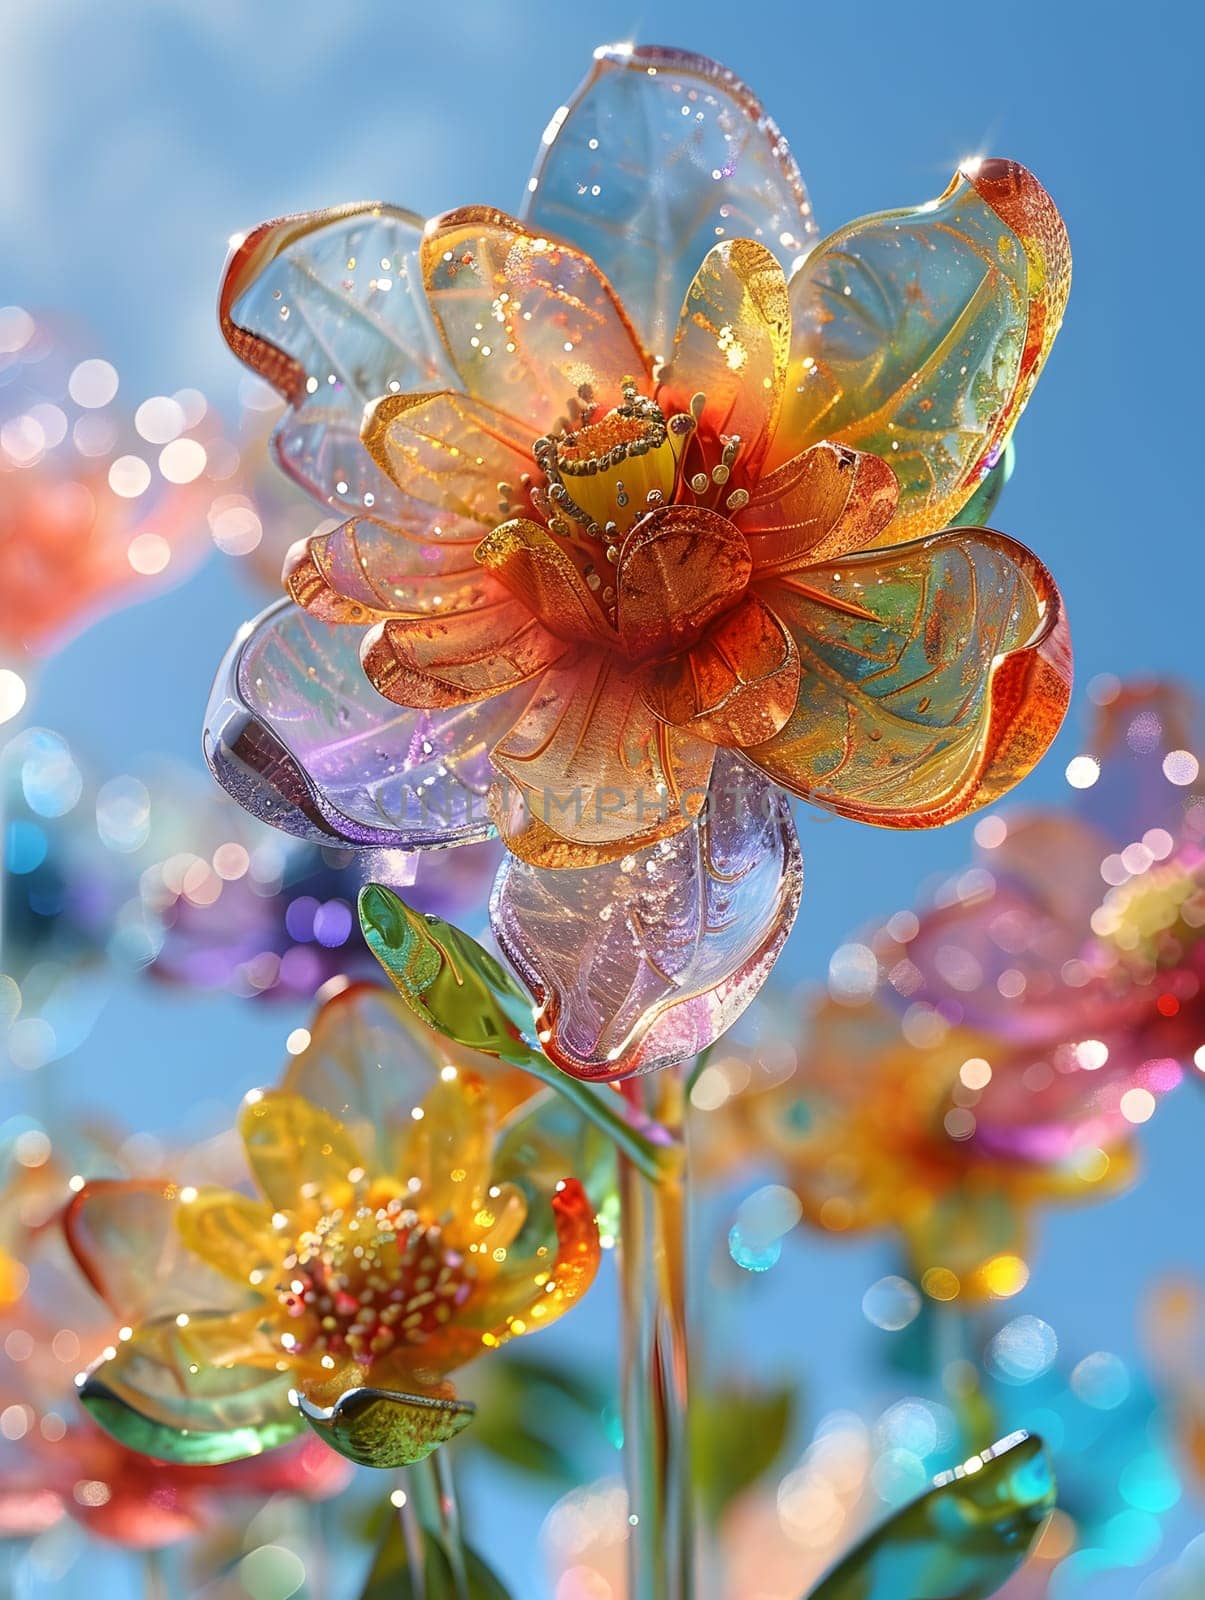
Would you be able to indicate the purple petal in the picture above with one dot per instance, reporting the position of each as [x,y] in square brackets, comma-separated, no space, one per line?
[298,736]
[645,961]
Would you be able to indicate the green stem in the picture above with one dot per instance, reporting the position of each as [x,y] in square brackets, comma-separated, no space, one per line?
[431,1513]
[654,1158]
[652,1272]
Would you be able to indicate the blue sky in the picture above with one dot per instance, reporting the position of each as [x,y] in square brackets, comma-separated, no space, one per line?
[137,136]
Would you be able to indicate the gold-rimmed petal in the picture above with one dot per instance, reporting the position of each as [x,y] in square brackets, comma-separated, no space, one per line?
[594,769]
[819,505]
[918,335]
[364,571]
[540,572]
[737,686]
[444,661]
[934,676]
[524,315]
[732,344]
[678,568]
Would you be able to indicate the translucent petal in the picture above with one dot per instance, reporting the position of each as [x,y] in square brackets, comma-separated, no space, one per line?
[678,568]
[590,762]
[645,961]
[659,154]
[186,1394]
[934,677]
[732,345]
[380,1428]
[368,1064]
[328,308]
[364,571]
[450,452]
[532,1290]
[540,572]
[965,1537]
[819,505]
[525,316]
[737,686]
[300,1155]
[231,1232]
[918,335]
[124,1236]
[296,733]
[448,1149]
[445,661]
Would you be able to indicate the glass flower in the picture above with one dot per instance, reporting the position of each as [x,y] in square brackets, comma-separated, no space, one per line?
[876,1129]
[641,530]
[95,503]
[54,1461]
[1096,971]
[401,1223]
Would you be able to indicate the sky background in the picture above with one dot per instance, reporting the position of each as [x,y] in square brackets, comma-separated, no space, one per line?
[135,137]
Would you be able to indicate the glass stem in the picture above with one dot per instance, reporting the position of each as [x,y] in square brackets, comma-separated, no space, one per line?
[652,1275]
[154,1576]
[431,1514]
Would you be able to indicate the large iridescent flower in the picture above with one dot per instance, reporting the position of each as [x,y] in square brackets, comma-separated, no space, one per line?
[54,1461]
[406,1211]
[641,527]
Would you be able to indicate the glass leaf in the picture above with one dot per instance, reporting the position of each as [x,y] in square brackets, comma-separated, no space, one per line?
[380,1428]
[962,1540]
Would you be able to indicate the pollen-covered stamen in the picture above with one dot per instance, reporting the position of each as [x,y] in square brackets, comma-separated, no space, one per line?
[604,474]
[707,483]
[368,1279]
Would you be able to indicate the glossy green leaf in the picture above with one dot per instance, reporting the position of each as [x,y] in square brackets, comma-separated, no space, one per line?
[448,979]
[380,1428]
[396,1574]
[153,1397]
[456,987]
[962,1540]
[737,1434]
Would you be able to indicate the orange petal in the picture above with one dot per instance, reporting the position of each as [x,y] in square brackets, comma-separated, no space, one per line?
[541,573]
[300,1156]
[364,571]
[821,504]
[527,321]
[595,767]
[732,345]
[918,335]
[450,452]
[535,1293]
[737,686]
[678,568]
[934,676]
[430,662]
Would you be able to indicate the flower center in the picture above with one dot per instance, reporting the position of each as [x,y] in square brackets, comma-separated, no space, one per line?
[604,474]
[366,1280]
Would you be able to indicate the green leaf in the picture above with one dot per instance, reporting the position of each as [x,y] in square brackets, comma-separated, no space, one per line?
[737,1435]
[962,1540]
[153,1397]
[448,979]
[394,1575]
[381,1428]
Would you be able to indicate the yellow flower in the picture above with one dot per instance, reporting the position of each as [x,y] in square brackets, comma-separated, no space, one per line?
[397,1229]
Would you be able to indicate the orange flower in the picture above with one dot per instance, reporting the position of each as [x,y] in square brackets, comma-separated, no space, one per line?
[394,1234]
[659,541]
